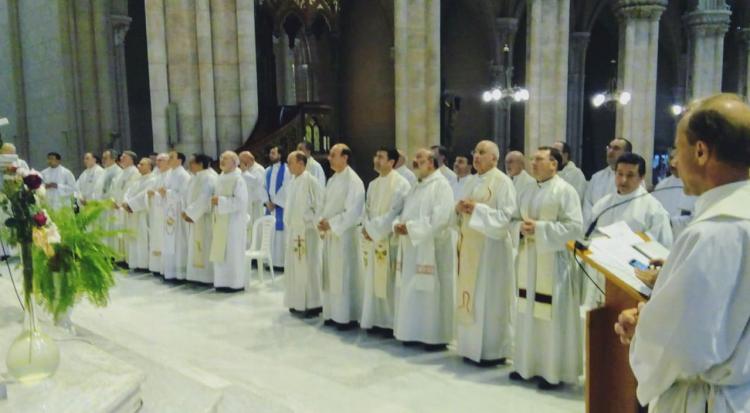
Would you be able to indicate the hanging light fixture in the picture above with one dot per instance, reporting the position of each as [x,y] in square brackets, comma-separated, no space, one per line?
[612,97]
[677,109]
[505,92]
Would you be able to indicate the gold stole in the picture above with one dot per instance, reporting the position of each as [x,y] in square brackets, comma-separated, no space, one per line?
[545,265]
[470,246]
[221,222]
[381,257]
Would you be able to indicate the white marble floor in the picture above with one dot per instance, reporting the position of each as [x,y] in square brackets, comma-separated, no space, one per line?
[204,351]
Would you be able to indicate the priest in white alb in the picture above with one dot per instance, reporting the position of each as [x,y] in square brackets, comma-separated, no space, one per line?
[136,205]
[632,203]
[384,203]
[89,178]
[441,154]
[105,192]
[547,331]
[425,268]
[338,227]
[462,167]
[303,266]
[156,220]
[197,215]
[485,293]
[229,227]
[121,184]
[515,167]
[173,193]
[254,176]
[404,170]
[691,348]
[603,182]
[59,182]
[670,192]
[275,179]
[570,172]
[313,166]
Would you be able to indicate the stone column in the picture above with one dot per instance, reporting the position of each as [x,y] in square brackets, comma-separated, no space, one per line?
[547,72]
[111,136]
[120,26]
[184,81]
[206,76]
[636,73]
[247,66]
[226,74]
[93,134]
[158,77]
[706,28]
[579,42]
[744,75]
[417,73]
[506,28]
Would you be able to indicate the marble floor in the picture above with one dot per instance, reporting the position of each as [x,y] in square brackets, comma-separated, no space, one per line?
[204,351]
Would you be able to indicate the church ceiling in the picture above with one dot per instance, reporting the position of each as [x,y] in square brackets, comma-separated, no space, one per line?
[308,12]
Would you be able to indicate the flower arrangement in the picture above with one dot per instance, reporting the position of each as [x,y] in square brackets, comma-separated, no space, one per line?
[62,252]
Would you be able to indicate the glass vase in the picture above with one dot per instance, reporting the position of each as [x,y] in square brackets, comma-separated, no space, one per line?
[33,356]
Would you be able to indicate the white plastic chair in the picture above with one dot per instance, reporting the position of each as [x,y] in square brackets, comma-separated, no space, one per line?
[261,245]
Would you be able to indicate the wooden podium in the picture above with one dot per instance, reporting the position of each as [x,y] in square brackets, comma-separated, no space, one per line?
[610,384]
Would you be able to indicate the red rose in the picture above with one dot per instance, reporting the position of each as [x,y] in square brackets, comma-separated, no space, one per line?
[40,218]
[33,181]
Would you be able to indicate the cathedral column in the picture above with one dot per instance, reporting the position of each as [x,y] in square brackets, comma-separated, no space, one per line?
[120,26]
[102,33]
[206,76]
[247,67]
[706,28]
[579,42]
[417,73]
[184,81]
[636,72]
[158,77]
[226,74]
[547,72]
[506,28]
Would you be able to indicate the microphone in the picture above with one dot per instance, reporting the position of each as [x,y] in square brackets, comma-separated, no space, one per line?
[582,245]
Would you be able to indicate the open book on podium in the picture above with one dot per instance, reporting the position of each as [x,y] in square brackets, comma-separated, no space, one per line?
[615,252]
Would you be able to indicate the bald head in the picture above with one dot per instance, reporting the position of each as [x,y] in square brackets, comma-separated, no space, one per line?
[486,155]
[713,143]
[514,163]
[247,160]
[339,157]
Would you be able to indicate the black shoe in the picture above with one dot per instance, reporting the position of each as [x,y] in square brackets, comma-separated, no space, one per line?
[435,347]
[486,363]
[386,333]
[410,343]
[329,323]
[228,290]
[310,313]
[347,326]
[545,385]
[293,311]
[516,376]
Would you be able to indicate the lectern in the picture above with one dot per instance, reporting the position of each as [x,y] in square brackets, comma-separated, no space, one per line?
[610,384]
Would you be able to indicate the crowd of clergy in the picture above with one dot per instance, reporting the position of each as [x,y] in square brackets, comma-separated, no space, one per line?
[471,255]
